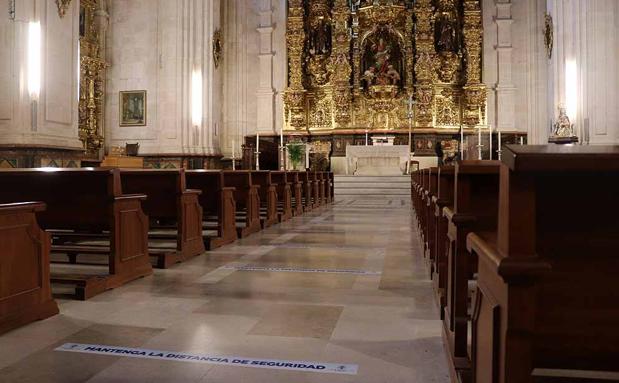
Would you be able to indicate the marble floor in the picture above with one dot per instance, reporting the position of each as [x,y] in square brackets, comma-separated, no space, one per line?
[344,284]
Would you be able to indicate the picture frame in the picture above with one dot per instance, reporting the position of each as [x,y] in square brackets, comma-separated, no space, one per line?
[132,108]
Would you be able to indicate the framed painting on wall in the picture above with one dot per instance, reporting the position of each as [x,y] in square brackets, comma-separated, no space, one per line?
[132,108]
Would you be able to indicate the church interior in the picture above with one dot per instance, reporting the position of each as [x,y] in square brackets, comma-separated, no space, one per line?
[309,191]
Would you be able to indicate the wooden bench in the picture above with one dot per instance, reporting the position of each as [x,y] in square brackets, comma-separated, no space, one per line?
[284,193]
[218,204]
[316,187]
[174,213]
[430,227]
[444,198]
[294,178]
[83,201]
[25,291]
[308,190]
[475,208]
[247,201]
[547,292]
[268,197]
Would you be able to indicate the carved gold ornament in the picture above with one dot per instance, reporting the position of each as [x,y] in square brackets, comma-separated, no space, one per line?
[217,47]
[548,34]
[63,5]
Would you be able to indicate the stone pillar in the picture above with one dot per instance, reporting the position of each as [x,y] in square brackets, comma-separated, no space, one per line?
[265,94]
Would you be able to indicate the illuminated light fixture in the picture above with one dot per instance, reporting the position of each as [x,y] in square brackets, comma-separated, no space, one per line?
[34,59]
[571,89]
[196,97]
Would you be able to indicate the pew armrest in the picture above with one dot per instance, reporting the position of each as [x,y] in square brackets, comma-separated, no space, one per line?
[127,197]
[193,191]
[511,269]
[23,206]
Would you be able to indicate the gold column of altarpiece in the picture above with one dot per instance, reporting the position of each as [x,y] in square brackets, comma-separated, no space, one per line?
[353,64]
[92,77]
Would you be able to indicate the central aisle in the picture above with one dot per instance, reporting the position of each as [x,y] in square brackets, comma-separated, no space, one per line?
[344,284]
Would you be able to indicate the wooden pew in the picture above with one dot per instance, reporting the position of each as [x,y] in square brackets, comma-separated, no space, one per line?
[444,198]
[475,208]
[316,186]
[322,189]
[284,193]
[294,178]
[430,229]
[25,291]
[247,201]
[547,292]
[268,197]
[174,212]
[308,190]
[331,178]
[82,201]
[217,201]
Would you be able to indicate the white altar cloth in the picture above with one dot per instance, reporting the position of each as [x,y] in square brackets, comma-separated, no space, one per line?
[376,160]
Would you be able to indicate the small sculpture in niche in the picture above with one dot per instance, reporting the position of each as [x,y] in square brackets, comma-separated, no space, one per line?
[217,48]
[320,38]
[445,35]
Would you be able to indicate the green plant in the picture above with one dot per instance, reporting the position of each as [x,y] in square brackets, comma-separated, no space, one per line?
[295,153]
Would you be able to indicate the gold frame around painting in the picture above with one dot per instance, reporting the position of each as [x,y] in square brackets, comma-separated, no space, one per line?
[122,121]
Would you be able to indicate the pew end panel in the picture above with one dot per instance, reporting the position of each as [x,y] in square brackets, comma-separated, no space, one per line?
[552,273]
[25,290]
[218,204]
[247,198]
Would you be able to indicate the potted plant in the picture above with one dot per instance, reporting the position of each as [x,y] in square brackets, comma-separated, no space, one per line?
[295,154]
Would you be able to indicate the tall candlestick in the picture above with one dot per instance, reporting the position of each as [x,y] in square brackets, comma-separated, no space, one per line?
[521,140]
[366,137]
[257,141]
[257,151]
[500,149]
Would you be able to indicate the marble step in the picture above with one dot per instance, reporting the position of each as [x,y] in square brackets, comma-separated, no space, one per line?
[372,191]
[381,185]
[374,179]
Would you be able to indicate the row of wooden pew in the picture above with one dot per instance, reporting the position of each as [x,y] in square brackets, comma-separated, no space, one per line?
[101,228]
[524,257]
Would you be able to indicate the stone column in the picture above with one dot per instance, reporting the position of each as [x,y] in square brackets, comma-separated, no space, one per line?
[265,93]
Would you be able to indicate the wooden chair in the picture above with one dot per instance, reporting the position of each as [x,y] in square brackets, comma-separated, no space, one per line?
[547,292]
[217,201]
[284,193]
[82,202]
[247,201]
[174,213]
[25,291]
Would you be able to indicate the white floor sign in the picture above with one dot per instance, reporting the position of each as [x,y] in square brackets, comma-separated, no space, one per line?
[295,365]
[299,270]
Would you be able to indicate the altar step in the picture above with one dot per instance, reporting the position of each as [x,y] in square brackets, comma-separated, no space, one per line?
[355,186]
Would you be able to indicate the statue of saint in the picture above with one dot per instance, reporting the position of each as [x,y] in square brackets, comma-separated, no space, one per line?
[393,75]
[447,37]
[563,126]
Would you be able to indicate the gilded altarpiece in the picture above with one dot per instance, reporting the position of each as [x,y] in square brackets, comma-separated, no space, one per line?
[354,64]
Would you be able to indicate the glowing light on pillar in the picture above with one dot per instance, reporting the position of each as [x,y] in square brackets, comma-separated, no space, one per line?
[34,59]
[196,97]
[571,89]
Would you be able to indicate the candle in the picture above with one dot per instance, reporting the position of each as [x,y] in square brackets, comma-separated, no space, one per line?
[257,141]
[366,137]
[307,164]
[410,103]
[232,148]
[233,156]
[490,130]
[521,140]
[479,143]
[499,140]
[461,142]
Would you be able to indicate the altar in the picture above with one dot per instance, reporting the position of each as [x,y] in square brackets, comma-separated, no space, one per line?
[376,160]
